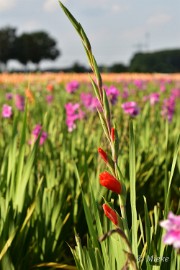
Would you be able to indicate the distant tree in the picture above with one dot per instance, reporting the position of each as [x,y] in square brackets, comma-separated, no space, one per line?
[7,39]
[35,47]
[117,68]
[78,68]
[43,47]
[22,48]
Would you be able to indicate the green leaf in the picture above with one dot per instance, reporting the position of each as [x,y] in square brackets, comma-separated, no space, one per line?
[132,169]
[89,220]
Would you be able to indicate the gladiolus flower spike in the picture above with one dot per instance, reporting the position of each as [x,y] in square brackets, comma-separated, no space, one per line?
[110,182]
[110,213]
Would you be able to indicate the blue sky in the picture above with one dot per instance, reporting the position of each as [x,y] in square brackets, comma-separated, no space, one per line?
[116,28]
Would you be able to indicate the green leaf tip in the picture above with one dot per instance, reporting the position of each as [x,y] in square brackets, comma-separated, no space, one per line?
[77,26]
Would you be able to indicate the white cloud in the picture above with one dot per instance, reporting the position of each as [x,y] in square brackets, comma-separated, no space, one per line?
[116,8]
[51,5]
[31,25]
[5,5]
[159,19]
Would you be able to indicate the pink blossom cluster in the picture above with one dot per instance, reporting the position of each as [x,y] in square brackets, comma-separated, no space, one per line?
[140,84]
[20,102]
[172,227]
[163,84]
[162,87]
[130,108]
[6,111]
[175,92]
[90,102]
[125,93]
[73,113]
[72,86]
[113,93]
[49,99]
[168,108]
[36,132]
[153,98]
[9,96]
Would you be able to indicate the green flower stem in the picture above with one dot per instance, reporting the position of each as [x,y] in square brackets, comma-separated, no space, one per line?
[122,202]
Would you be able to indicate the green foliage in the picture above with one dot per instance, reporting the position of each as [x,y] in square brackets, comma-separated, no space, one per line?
[27,47]
[7,39]
[41,202]
[117,68]
[34,47]
[165,61]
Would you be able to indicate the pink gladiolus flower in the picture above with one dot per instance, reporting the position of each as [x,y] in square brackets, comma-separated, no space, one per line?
[6,111]
[71,87]
[113,93]
[9,96]
[139,84]
[154,98]
[125,93]
[130,108]
[175,92]
[172,226]
[73,112]
[49,99]
[20,102]
[168,108]
[43,137]
[90,102]
[36,131]
[162,87]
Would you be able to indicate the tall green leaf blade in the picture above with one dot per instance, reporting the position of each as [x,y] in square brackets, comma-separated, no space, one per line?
[132,169]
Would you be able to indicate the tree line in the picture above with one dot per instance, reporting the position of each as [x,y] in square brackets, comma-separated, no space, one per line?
[36,46]
[164,61]
[27,47]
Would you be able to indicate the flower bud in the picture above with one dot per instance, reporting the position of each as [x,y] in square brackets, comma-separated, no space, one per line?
[113,134]
[110,213]
[103,154]
[110,182]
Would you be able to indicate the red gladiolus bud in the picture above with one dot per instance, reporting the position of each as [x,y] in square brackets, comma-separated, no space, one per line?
[110,182]
[103,154]
[113,134]
[110,213]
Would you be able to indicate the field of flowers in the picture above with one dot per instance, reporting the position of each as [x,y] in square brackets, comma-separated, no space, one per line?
[53,152]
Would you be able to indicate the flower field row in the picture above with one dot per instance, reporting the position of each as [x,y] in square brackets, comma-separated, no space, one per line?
[49,140]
